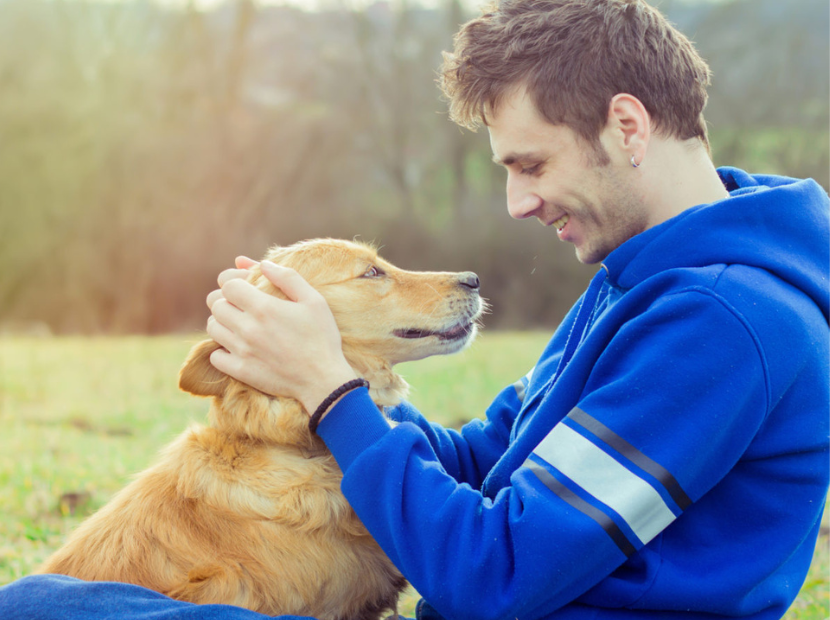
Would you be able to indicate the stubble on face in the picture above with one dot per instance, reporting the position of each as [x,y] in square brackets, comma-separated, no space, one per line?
[617,215]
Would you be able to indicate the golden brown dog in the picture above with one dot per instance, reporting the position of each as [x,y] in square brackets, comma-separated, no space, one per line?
[247,510]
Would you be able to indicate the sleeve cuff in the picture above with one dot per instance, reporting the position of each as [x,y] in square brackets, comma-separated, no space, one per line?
[354,424]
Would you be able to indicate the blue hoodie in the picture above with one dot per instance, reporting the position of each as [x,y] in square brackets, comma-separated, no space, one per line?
[667,457]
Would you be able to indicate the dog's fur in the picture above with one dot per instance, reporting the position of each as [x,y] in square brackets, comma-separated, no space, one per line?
[248,510]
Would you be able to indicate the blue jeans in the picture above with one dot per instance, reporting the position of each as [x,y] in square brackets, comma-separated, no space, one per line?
[57,597]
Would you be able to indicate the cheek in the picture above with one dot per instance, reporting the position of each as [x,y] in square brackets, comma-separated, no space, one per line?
[358,312]
[346,304]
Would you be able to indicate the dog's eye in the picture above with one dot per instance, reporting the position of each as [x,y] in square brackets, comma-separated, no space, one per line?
[373,272]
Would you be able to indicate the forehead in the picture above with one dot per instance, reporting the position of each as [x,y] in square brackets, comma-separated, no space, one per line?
[347,251]
[321,256]
[518,131]
[327,261]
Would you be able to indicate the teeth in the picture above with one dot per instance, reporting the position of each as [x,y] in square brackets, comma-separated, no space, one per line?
[560,223]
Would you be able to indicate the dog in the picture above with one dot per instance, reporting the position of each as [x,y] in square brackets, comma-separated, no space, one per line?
[247,510]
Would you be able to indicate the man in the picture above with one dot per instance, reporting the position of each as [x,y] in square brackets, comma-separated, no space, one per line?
[667,456]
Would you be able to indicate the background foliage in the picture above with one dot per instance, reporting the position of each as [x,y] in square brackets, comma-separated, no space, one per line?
[143,147]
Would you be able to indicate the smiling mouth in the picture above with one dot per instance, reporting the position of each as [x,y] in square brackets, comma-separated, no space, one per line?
[462,330]
[560,223]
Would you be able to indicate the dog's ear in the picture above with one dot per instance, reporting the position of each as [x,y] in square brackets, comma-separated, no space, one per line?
[198,376]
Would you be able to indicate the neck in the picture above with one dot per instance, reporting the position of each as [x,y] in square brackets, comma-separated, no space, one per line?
[678,176]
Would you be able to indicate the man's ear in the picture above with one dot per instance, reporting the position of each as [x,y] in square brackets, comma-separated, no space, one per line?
[628,127]
[198,376]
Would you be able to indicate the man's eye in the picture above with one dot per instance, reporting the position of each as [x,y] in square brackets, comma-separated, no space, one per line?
[373,272]
[530,169]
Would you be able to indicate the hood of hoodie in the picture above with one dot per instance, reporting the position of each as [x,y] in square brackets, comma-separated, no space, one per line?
[774,223]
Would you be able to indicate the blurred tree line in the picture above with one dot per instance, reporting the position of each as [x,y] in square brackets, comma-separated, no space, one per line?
[142,148]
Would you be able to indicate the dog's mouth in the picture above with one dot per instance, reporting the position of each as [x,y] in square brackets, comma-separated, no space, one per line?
[457,332]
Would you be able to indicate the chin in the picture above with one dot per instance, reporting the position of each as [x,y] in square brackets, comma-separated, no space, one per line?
[590,258]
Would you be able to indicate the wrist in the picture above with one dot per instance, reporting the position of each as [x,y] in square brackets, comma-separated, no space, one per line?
[325,385]
[329,402]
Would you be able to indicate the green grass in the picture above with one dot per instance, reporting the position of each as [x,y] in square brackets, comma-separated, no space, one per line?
[81,415]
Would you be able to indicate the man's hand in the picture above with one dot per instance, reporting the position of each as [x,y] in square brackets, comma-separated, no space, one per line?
[280,347]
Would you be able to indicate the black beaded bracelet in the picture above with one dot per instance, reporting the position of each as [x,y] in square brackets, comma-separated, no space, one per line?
[324,406]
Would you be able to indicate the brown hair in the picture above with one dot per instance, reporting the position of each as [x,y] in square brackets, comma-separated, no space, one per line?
[573,56]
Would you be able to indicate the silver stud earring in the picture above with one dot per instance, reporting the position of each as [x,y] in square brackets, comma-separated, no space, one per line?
[634,163]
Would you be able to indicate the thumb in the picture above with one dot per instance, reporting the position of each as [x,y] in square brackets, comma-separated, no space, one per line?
[295,287]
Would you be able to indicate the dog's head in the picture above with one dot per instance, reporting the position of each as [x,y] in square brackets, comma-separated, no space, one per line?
[385,315]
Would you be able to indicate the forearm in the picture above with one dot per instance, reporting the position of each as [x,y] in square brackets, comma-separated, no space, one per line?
[469,454]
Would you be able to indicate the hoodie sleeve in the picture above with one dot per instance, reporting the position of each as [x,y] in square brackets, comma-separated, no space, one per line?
[469,454]
[670,406]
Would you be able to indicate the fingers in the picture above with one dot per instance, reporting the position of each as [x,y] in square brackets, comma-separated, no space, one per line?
[219,293]
[213,297]
[241,272]
[218,332]
[243,262]
[225,324]
[245,297]
[227,363]
[232,274]
[295,287]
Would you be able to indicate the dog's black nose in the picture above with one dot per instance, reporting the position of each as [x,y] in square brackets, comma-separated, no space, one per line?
[470,280]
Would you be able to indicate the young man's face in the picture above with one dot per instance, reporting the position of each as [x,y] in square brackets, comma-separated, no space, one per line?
[554,176]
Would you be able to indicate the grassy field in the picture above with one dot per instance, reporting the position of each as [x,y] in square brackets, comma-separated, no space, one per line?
[80,416]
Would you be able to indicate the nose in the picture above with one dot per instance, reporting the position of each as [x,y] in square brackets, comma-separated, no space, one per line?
[469,280]
[521,202]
